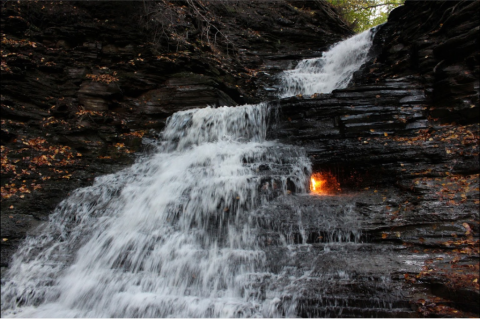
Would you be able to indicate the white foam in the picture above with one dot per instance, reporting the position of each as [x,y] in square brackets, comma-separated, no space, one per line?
[332,71]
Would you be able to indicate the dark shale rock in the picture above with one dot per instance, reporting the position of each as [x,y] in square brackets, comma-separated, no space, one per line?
[441,49]
[396,140]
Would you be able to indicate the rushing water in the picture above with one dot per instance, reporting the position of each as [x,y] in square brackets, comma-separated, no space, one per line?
[331,71]
[177,234]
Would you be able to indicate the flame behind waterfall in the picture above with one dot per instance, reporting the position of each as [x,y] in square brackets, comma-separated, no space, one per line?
[324,184]
[316,185]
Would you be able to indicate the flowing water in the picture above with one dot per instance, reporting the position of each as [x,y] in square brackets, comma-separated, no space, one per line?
[185,232]
[331,71]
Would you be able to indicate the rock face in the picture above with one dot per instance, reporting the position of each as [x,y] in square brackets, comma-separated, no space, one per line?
[441,49]
[85,85]
[403,139]
[81,94]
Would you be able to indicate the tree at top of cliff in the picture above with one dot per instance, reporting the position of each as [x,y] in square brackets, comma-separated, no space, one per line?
[364,14]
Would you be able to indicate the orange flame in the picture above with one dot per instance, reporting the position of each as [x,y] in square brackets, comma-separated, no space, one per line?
[316,186]
[323,184]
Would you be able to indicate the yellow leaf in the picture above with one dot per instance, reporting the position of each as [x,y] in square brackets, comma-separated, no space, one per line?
[386,134]
[384,235]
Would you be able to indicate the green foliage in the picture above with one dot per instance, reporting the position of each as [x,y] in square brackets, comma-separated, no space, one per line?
[364,14]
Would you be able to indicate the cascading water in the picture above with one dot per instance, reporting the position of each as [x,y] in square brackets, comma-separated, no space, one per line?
[172,235]
[181,233]
[331,71]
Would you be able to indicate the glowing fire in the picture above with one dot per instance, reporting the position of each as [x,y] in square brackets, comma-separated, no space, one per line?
[324,183]
[316,185]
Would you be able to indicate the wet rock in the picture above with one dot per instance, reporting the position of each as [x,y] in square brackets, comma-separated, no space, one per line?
[441,50]
[389,136]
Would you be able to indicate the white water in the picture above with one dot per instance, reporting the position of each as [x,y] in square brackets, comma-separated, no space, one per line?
[171,236]
[175,235]
[332,71]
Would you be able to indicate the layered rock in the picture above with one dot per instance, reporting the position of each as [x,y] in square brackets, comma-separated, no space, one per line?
[402,141]
[438,42]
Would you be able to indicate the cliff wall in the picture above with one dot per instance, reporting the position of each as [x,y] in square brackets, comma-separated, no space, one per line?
[404,138]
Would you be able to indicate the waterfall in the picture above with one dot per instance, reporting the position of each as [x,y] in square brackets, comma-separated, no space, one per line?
[331,71]
[171,236]
[181,232]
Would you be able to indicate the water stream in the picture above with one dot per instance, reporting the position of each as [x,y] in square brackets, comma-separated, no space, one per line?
[182,233]
[333,70]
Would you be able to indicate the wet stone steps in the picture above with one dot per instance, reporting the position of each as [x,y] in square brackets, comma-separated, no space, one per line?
[327,259]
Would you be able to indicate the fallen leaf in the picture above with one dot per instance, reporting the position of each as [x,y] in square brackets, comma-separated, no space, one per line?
[467,228]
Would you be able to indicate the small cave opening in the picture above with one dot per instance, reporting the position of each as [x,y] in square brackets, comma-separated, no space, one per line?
[342,178]
[324,183]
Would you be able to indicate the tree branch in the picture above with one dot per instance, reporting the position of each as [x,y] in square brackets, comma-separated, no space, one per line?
[379,5]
